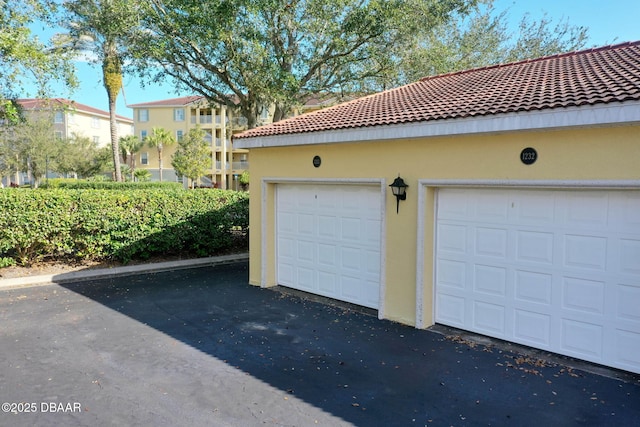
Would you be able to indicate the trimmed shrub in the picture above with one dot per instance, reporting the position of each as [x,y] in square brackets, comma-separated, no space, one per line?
[107,185]
[124,225]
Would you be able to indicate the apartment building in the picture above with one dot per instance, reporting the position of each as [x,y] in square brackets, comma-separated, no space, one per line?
[178,116]
[70,117]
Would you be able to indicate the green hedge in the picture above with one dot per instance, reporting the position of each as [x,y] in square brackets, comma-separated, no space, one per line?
[107,185]
[124,225]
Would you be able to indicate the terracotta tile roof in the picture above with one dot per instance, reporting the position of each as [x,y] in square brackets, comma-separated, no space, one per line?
[177,102]
[40,103]
[596,76]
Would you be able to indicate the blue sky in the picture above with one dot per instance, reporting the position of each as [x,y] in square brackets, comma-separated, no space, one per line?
[609,22]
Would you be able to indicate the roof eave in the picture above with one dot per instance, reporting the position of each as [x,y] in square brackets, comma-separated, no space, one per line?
[611,114]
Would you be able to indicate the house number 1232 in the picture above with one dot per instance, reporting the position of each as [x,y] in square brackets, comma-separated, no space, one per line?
[528,156]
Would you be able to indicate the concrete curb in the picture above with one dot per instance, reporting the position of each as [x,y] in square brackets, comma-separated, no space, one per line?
[105,273]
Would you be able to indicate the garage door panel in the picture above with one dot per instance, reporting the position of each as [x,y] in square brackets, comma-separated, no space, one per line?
[628,218]
[304,200]
[585,252]
[535,209]
[491,242]
[533,287]
[327,227]
[353,287]
[372,263]
[626,353]
[333,246]
[327,283]
[630,256]
[305,251]
[492,207]
[305,278]
[585,296]
[582,339]
[532,328]
[350,230]
[587,210]
[454,238]
[287,222]
[287,247]
[351,259]
[452,206]
[306,224]
[286,273]
[628,302]
[450,310]
[560,273]
[451,274]
[490,280]
[371,229]
[489,318]
[536,247]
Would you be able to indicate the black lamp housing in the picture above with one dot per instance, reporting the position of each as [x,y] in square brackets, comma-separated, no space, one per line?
[399,189]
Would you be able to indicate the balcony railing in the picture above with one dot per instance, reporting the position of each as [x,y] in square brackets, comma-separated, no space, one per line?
[228,166]
[240,165]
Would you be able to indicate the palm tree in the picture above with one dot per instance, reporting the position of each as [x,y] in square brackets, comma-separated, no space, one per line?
[142,175]
[130,145]
[102,29]
[160,138]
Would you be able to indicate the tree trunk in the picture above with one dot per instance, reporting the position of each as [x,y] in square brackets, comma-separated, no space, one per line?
[112,80]
[115,145]
[160,160]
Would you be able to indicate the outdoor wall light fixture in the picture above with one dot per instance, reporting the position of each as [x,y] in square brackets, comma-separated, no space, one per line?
[399,189]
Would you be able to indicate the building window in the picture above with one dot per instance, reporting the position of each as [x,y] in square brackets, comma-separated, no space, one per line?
[264,114]
[144,158]
[59,117]
[178,114]
[58,134]
[179,135]
[96,140]
[143,135]
[95,122]
[143,115]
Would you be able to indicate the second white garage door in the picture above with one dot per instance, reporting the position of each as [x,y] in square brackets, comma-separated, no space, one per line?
[328,240]
[556,270]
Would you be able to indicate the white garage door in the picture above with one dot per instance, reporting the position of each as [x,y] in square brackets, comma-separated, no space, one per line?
[328,241]
[555,270]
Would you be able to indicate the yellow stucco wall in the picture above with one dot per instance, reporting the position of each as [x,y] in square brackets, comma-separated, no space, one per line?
[581,154]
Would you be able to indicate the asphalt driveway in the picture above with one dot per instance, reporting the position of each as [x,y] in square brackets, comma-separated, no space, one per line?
[201,347]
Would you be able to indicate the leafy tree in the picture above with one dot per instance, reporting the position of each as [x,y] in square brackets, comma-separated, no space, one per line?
[481,38]
[9,155]
[244,179]
[159,139]
[23,57]
[37,147]
[192,155]
[82,156]
[130,145]
[255,53]
[103,28]
[126,172]
[537,39]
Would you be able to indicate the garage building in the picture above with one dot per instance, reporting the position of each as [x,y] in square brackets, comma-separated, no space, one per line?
[520,221]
